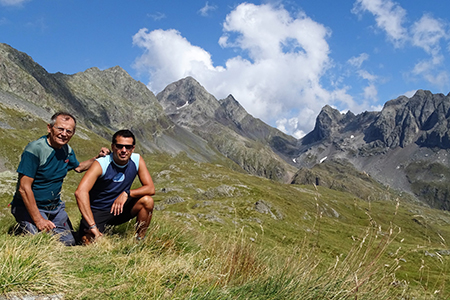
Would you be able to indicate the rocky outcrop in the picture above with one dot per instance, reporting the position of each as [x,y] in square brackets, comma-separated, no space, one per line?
[342,176]
[331,123]
[421,119]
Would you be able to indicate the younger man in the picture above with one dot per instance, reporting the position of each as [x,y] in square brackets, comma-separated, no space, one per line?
[104,196]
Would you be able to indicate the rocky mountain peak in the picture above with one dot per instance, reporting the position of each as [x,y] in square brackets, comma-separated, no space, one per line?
[234,109]
[328,122]
[187,102]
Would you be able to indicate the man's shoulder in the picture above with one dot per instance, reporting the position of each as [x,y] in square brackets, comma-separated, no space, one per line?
[37,143]
[135,159]
[104,162]
[38,146]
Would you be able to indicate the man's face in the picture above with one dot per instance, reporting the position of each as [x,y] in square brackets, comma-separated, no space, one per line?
[61,132]
[122,149]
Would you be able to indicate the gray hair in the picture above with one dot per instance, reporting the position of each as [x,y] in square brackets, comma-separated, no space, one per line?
[65,115]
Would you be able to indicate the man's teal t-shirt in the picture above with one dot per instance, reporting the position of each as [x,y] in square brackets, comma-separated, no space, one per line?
[48,167]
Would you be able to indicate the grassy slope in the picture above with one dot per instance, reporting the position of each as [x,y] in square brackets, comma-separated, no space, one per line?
[208,241]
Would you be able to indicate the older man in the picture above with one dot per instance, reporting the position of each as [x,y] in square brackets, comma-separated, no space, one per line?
[37,205]
[104,195]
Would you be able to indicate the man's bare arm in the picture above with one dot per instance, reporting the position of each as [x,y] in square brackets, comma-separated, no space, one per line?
[147,188]
[82,195]
[26,191]
[85,165]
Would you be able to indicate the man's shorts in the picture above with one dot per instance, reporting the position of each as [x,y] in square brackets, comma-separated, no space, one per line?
[104,218]
[58,216]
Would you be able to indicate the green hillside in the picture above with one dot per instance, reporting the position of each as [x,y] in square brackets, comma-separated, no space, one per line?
[221,234]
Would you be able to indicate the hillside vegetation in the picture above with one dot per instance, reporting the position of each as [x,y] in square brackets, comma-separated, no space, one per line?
[221,234]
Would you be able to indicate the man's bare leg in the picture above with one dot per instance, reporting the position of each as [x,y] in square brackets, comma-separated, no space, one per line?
[144,211]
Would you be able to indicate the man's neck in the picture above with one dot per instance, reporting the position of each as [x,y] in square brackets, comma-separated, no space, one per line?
[120,164]
[57,146]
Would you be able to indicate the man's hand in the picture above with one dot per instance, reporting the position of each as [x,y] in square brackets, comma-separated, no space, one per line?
[103,152]
[90,236]
[45,225]
[117,207]
[94,232]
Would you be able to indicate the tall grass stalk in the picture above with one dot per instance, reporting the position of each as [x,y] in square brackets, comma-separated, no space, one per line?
[31,264]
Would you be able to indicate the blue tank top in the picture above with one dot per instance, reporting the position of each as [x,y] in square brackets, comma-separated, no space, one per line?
[114,180]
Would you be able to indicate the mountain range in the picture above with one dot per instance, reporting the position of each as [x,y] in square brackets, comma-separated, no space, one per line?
[405,146]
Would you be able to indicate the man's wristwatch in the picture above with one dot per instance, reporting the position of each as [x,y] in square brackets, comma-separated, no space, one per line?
[128,192]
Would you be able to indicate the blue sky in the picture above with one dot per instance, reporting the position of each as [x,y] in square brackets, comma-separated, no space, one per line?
[282,60]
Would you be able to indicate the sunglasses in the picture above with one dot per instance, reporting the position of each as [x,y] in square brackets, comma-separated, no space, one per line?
[120,146]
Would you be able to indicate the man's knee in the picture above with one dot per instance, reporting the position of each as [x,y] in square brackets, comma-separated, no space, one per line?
[147,203]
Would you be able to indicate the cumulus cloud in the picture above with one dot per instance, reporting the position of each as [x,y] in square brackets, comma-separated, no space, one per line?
[275,75]
[169,57]
[205,10]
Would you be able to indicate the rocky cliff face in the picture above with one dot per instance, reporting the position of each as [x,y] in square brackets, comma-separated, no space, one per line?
[386,144]
[423,119]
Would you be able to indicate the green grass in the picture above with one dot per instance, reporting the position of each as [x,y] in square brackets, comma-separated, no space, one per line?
[316,243]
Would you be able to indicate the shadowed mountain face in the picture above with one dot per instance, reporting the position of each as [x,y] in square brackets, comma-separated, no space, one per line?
[405,146]
[103,101]
[229,128]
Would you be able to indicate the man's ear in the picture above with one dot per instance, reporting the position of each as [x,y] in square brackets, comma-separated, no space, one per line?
[49,128]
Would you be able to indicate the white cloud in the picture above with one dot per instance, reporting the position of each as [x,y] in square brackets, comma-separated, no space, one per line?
[427,34]
[204,11]
[389,16]
[370,92]
[157,16]
[169,57]
[13,2]
[276,76]
[357,61]
[409,94]
[286,126]
[366,75]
